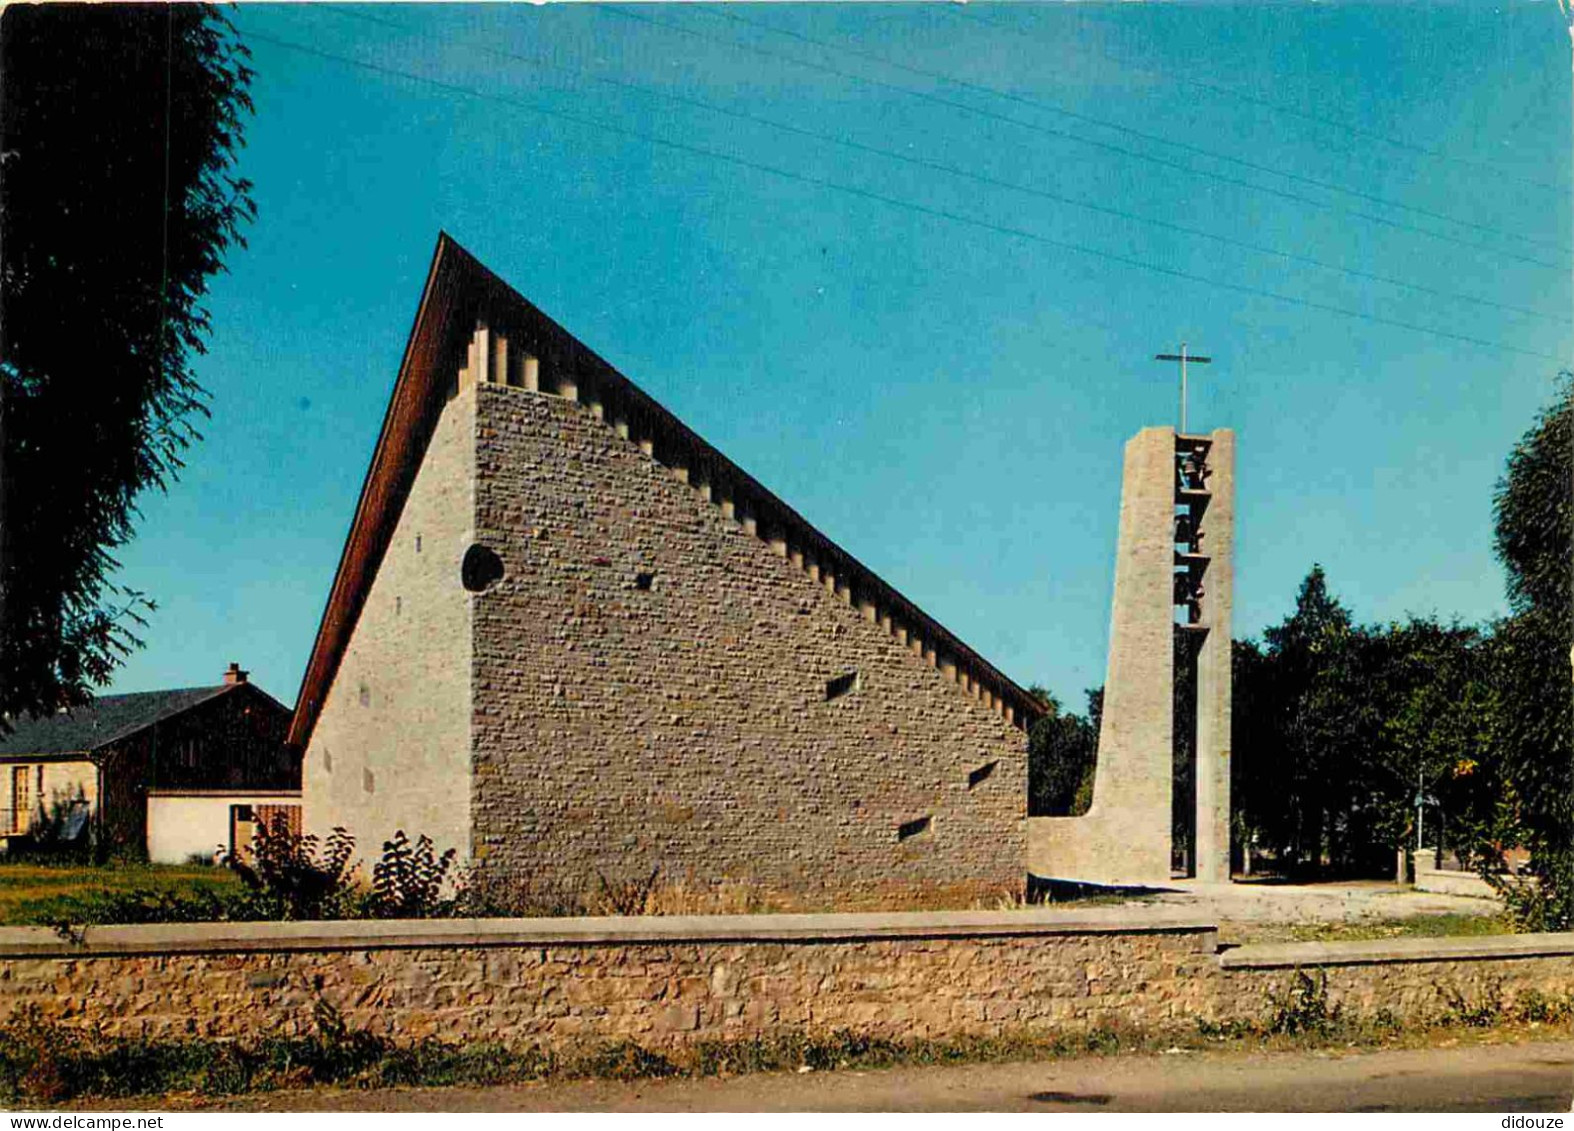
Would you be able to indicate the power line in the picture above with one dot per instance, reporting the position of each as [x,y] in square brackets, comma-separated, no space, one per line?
[979,178]
[866,194]
[1223,91]
[1077,116]
[1108,146]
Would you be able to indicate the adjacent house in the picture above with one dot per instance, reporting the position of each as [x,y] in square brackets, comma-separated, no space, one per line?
[568,636]
[172,774]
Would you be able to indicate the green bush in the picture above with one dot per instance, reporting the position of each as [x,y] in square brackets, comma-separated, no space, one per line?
[410,882]
[292,876]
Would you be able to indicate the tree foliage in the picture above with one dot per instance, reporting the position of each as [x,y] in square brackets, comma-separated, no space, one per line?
[1061,753]
[1337,726]
[1296,687]
[119,128]
[1534,541]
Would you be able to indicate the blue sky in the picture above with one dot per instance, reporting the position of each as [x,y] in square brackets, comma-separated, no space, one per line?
[908,265]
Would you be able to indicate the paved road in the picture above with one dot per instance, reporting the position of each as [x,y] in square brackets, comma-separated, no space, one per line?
[1528,1077]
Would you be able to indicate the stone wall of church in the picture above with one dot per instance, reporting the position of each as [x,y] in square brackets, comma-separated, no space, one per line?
[391,748]
[655,686]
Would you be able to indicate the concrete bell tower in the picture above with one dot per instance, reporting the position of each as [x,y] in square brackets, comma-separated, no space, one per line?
[1174,576]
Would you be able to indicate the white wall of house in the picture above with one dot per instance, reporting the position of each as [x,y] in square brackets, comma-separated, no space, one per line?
[187,823]
[30,787]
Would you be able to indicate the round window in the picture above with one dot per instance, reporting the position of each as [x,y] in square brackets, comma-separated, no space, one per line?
[481,569]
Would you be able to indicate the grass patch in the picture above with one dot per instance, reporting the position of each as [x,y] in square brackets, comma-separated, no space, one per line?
[1451,925]
[42,893]
[1454,925]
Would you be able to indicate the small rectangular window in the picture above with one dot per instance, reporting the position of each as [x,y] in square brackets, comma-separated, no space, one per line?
[644,580]
[841,685]
[910,829]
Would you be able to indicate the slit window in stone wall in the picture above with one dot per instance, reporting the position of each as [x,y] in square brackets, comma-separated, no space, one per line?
[365,695]
[481,569]
[841,685]
[644,581]
[418,543]
[909,829]
[981,775]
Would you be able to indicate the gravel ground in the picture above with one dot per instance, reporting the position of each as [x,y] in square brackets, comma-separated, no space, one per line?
[1252,910]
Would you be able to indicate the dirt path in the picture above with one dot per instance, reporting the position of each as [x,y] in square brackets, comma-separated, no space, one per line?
[1532,1076]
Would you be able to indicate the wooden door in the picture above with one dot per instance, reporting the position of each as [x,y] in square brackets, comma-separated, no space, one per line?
[243,827]
[21,799]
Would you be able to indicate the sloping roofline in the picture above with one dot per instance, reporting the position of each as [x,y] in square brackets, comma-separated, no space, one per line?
[459,292]
[73,733]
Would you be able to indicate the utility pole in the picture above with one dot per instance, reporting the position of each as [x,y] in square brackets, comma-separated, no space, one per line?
[1420,810]
[1183,357]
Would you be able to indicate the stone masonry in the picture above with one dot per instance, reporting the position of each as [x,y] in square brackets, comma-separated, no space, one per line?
[391,749]
[663,982]
[653,685]
[571,640]
[670,982]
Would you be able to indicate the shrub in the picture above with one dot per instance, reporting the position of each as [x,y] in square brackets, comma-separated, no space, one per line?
[408,882]
[292,877]
[38,1059]
[1303,1008]
[1539,899]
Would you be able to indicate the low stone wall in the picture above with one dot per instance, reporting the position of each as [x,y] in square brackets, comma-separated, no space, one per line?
[1415,980]
[666,982]
[1443,882]
[661,981]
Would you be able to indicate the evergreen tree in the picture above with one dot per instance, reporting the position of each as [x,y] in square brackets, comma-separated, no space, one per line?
[1307,659]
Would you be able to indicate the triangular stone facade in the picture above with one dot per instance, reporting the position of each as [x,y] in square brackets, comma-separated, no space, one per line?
[570,639]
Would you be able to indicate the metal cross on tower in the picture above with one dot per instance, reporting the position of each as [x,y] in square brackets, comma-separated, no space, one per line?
[1183,357]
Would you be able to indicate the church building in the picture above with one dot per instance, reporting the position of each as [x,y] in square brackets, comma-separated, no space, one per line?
[568,638]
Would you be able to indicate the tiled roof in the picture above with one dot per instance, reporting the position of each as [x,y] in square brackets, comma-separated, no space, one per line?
[101,722]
